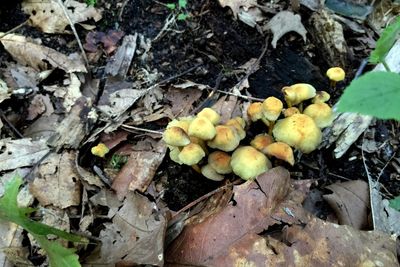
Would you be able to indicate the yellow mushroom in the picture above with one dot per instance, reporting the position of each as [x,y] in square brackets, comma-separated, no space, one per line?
[321,97]
[220,162]
[202,128]
[191,154]
[226,138]
[211,174]
[272,108]
[237,124]
[336,74]
[174,154]
[297,93]
[247,162]
[261,141]
[210,114]
[290,111]
[100,150]
[183,123]
[281,151]
[321,113]
[255,111]
[175,136]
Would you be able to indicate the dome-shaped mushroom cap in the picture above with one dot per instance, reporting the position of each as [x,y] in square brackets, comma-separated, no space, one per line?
[261,141]
[254,111]
[290,111]
[202,128]
[247,162]
[321,113]
[211,174]
[321,97]
[226,139]
[272,108]
[220,162]
[191,154]
[183,123]
[336,74]
[281,151]
[237,124]
[298,92]
[175,136]
[210,114]
[174,154]
[299,131]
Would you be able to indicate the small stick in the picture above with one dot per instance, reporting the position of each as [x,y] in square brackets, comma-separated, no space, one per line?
[9,124]
[141,129]
[241,96]
[15,28]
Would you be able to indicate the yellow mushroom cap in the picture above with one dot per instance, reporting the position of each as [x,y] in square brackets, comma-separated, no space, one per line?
[202,128]
[210,114]
[191,154]
[220,162]
[261,141]
[272,108]
[235,123]
[298,92]
[226,139]
[281,151]
[299,131]
[174,154]
[255,111]
[321,97]
[211,174]
[183,123]
[336,74]
[175,136]
[199,141]
[241,121]
[290,111]
[247,162]
[100,150]
[321,113]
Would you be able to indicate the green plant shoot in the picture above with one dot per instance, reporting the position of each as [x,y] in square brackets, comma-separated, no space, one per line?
[59,256]
[395,203]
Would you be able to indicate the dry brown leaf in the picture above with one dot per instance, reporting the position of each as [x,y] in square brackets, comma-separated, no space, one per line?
[135,236]
[237,5]
[57,182]
[21,153]
[284,22]
[225,106]
[4,91]
[36,107]
[182,99]
[37,56]
[138,172]
[49,16]
[350,200]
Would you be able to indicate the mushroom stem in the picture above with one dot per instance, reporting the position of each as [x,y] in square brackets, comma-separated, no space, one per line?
[196,168]
[271,127]
[332,84]
[301,107]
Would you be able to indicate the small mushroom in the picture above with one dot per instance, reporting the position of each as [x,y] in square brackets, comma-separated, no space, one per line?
[211,174]
[174,154]
[247,162]
[100,150]
[272,108]
[261,141]
[226,138]
[236,123]
[255,111]
[281,151]
[202,128]
[210,114]
[290,111]
[297,93]
[321,97]
[175,136]
[298,131]
[335,74]
[183,123]
[220,162]
[191,154]
[321,113]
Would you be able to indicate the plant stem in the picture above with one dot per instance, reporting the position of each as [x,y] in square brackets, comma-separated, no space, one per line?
[386,66]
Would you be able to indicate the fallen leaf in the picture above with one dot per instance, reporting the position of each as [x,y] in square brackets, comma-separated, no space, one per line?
[21,153]
[49,16]
[350,200]
[284,22]
[37,56]
[135,236]
[181,100]
[112,140]
[142,164]
[109,40]
[57,182]
[237,5]
[4,91]
[36,107]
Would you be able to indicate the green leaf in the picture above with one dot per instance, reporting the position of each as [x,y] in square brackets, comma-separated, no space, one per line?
[395,203]
[171,6]
[385,42]
[182,3]
[375,93]
[59,256]
[182,16]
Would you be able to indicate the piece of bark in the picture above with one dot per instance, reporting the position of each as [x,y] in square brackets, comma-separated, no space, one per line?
[119,65]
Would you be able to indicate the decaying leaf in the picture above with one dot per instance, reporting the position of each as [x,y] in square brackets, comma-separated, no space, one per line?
[284,22]
[182,99]
[350,200]
[109,40]
[135,236]
[237,5]
[37,56]
[49,16]
[57,182]
[138,172]
[4,91]
[39,105]
[11,252]
[21,153]
[121,61]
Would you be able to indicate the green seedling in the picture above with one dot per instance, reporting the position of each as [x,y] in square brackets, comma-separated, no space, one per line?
[117,161]
[180,9]
[91,2]
[59,256]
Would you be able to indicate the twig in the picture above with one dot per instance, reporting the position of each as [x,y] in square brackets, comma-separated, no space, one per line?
[169,20]
[122,10]
[384,167]
[15,28]
[128,127]
[10,125]
[241,96]
[193,203]
[75,33]
[210,95]
[26,176]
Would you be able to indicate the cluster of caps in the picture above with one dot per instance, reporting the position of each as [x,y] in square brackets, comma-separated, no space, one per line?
[190,138]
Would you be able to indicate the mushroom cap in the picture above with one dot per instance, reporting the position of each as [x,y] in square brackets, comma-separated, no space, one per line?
[321,97]
[183,123]
[235,123]
[100,150]
[272,108]
[210,114]
[298,92]
[241,121]
[298,131]
[255,111]
[281,151]
[211,174]
[290,111]
[336,74]
[174,154]
[202,128]
[321,113]
[226,139]
[175,136]
[200,142]
[191,154]
[247,162]
[220,162]
[261,141]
